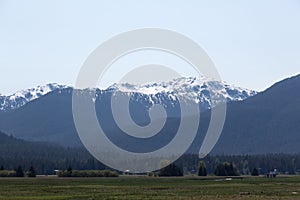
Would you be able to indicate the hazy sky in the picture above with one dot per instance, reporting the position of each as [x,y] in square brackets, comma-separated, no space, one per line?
[253,43]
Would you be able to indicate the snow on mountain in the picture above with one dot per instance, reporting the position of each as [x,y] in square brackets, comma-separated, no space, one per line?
[200,90]
[20,98]
[206,92]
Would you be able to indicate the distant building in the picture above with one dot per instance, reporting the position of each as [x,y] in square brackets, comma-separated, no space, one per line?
[127,172]
[271,174]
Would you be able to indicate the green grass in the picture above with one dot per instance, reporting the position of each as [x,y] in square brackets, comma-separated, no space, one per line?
[149,188]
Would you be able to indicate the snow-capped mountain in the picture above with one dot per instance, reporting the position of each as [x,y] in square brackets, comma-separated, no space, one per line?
[263,117]
[20,98]
[203,91]
[200,90]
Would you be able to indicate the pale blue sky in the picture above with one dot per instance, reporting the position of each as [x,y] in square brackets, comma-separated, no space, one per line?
[253,43]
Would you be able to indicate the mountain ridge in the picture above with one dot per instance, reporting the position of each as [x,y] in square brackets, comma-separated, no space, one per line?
[267,122]
[20,98]
[191,88]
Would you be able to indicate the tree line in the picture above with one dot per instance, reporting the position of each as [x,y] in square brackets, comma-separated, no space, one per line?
[188,164]
[18,172]
[244,164]
[46,158]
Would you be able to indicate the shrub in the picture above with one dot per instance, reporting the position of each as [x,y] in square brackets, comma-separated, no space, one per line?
[87,173]
[8,173]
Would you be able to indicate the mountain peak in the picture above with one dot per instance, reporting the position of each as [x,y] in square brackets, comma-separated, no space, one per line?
[22,97]
[205,91]
[177,84]
[197,89]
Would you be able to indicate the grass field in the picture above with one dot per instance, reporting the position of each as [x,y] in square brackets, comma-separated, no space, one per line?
[149,188]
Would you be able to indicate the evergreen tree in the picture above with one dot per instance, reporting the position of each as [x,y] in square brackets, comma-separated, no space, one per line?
[202,169]
[171,170]
[226,169]
[220,170]
[69,171]
[19,172]
[31,172]
[254,172]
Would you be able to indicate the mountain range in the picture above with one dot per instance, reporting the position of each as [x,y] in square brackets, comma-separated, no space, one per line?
[265,122]
[20,98]
[49,117]
[198,90]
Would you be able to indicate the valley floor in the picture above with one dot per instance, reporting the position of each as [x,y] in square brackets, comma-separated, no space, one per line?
[136,187]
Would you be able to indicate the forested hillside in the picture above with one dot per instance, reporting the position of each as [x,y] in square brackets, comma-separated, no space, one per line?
[43,156]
